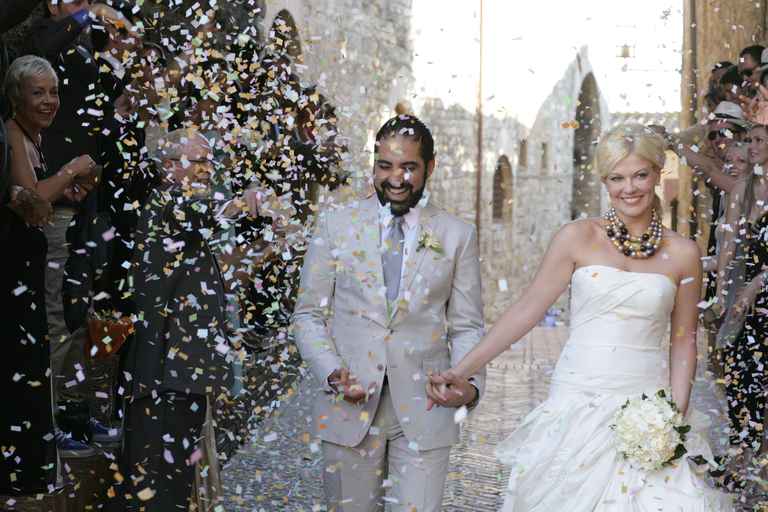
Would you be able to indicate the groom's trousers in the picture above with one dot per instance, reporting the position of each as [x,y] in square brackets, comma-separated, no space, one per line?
[384,469]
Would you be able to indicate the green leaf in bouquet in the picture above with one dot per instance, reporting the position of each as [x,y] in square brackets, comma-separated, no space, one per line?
[698,460]
[679,452]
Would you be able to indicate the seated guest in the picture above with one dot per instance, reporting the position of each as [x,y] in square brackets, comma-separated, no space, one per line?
[179,358]
[32,89]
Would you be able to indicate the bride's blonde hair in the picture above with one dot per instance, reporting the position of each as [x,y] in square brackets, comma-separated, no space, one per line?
[630,139]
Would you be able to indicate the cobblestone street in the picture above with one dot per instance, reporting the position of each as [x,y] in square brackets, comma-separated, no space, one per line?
[281,469]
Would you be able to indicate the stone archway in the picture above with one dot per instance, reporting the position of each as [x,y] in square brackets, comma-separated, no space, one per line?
[585,200]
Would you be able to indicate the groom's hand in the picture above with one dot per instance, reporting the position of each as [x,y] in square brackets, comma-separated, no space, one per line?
[346,384]
[449,390]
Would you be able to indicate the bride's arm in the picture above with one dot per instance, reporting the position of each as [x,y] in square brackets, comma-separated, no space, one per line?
[550,282]
[682,354]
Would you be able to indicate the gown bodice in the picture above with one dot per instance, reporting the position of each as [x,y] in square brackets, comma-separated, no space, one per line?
[615,307]
[619,321]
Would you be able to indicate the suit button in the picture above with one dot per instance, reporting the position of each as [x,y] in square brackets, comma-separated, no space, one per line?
[380,367]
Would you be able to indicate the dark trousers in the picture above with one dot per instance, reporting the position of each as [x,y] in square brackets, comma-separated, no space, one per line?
[160,449]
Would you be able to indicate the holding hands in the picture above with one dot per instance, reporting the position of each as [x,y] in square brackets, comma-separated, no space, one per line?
[449,389]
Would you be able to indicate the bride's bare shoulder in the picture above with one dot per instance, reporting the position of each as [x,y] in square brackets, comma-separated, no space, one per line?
[575,235]
[583,229]
[681,248]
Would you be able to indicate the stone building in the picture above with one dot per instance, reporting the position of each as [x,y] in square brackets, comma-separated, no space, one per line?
[358,54]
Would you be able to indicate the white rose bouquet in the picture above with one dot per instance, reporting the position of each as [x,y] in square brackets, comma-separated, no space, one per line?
[649,431]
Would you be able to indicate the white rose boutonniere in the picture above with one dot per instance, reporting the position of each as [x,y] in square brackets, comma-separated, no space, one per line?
[428,241]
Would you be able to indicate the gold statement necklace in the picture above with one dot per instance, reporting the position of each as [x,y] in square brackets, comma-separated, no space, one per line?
[641,247]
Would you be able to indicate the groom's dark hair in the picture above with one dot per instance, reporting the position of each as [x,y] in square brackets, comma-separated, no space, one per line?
[409,126]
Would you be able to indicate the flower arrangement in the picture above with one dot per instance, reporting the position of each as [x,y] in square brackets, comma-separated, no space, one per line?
[428,241]
[649,431]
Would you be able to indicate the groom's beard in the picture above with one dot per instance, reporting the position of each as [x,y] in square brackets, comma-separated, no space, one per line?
[400,208]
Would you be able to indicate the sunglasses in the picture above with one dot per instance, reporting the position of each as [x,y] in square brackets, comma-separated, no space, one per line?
[721,134]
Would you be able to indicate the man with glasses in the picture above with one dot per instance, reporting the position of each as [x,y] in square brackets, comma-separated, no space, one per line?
[180,357]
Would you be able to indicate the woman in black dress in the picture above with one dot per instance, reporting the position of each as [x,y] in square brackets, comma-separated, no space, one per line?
[28,462]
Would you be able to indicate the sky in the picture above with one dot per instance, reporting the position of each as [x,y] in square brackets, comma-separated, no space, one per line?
[529,44]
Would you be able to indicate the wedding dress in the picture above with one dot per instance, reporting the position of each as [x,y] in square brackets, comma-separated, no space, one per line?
[562,457]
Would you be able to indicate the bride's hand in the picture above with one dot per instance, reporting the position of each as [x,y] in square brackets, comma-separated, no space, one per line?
[449,389]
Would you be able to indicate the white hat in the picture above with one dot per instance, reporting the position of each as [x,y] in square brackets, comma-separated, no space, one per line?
[731,112]
[764,59]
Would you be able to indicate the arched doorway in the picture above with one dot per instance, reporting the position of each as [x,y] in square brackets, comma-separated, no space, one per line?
[283,36]
[502,190]
[585,200]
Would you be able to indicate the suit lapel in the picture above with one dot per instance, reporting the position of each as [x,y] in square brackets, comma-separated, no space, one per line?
[412,266]
[414,262]
[368,260]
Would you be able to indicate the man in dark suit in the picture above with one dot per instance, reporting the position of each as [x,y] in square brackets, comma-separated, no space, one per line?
[180,358]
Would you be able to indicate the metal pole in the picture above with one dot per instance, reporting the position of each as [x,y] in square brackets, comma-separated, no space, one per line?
[479,177]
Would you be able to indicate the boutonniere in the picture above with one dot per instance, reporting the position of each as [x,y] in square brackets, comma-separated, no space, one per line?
[428,241]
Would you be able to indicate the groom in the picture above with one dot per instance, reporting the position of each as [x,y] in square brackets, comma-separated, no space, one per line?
[390,293]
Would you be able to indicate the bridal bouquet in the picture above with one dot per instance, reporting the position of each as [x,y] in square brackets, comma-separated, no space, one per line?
[649,431]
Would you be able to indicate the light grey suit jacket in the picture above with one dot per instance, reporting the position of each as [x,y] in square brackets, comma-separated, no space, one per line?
[341,320]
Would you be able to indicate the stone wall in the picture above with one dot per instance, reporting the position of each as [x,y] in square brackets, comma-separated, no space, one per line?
[544,187]
[454,184]
[359,54]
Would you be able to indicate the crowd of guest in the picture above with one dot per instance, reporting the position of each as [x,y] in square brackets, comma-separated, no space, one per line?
[728,150]
[153,160]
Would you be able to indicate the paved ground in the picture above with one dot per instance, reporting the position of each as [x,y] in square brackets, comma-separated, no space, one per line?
[281,469]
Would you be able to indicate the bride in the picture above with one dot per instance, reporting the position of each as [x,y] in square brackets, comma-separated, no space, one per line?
[629,279]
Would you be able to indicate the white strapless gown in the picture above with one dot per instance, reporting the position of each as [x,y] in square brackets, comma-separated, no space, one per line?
[562,457]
